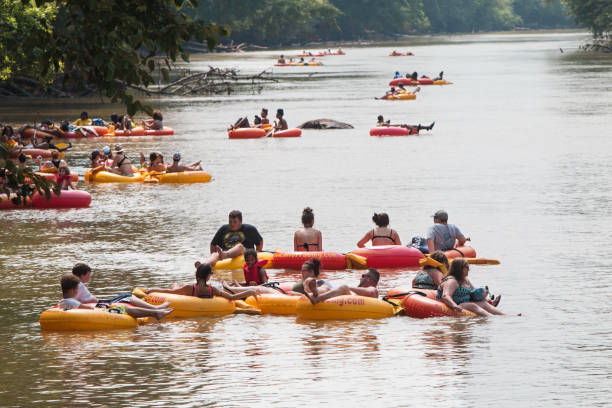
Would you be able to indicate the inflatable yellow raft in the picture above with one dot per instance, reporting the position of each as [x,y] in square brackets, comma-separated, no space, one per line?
[180,177]
[190,306]
[108,177]
[238,262]
[274,304]
[346,307]
[84,319]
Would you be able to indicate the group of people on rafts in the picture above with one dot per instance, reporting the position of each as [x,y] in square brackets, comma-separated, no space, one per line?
[237,238]
[262,121]
[117,162]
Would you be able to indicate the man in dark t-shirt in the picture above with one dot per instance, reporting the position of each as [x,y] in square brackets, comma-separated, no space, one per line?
[232,238]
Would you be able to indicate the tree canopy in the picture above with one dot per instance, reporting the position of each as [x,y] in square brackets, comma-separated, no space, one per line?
[594,14]
[102,44]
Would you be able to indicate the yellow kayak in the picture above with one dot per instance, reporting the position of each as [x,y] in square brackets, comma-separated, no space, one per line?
[238,262]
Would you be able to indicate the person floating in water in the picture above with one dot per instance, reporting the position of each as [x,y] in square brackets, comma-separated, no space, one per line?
[381,122]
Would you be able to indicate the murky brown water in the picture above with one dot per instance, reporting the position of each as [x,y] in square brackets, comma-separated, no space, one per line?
[519,156]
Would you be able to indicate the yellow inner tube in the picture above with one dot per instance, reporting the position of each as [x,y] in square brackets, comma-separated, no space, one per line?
[84,319]
[190,306]
[346,307]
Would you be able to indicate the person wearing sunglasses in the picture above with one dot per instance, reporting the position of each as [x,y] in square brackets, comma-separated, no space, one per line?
[367,287]
[457,292]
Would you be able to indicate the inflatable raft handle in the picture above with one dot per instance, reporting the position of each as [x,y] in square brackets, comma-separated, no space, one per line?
[427,261]
[354,261]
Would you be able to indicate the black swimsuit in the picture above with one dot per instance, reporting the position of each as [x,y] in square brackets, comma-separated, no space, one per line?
[383,236]
[306,245]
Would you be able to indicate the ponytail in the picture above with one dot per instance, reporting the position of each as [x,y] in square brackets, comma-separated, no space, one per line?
[307,217]
[381,219]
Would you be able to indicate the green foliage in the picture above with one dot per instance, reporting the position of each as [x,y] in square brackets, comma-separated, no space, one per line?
[594,14]
[103,44]
[273,21]
[362,17]
[542,13]
[24,30]
[18,184]
[470,15]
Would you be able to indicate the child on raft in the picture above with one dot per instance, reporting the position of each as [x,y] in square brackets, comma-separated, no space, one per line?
[70,287]
[64,179]
[201,288]
[156,121]
[282,123]
[367,287]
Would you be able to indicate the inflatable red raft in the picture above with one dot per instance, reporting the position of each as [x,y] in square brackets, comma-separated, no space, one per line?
[390,256]
[140,131]
[411,82]
[67,199]
[87,131]
[422,307]
[292,132]
[295,260]
[33,153]
[246,133]
[392,131]
[317,54]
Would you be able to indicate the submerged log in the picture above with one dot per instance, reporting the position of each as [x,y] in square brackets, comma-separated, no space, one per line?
[325,124]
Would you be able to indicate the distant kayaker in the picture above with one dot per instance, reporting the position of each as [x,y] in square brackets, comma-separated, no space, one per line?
[281,123]
[232,238]
[382,234]
[443,236]
[440,76]
[414,76]
[281,60]
[176,167]
[307,238]
[367,287]
[397,75]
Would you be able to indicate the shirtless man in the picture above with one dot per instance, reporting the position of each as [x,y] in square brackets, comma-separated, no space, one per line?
[175,167]
[367,287]
[264,117]
[282,123]
[381,122]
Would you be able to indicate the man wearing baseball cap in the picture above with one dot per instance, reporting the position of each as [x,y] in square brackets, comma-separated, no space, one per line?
[442,236]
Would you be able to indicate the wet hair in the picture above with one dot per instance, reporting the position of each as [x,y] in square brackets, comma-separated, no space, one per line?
[280,112]
[456,269]
[264,110]
[114,118]
[257,120]
[84,114]
[22,158]
[381,219]
[203,272]
[374,274]
[68,283]
[236,214]
[440,256]
[313,265]
[250,252]
[157,115]
[80,269]
[380,118]
[307,217]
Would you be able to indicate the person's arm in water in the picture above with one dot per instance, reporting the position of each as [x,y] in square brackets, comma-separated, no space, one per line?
[367,237]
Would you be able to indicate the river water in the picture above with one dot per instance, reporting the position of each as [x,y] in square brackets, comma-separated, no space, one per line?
[519,157]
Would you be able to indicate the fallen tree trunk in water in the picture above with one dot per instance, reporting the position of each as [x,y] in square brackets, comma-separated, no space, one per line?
[325,124]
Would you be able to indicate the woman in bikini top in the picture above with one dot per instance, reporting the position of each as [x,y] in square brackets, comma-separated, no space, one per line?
[382,234]
[307,239]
